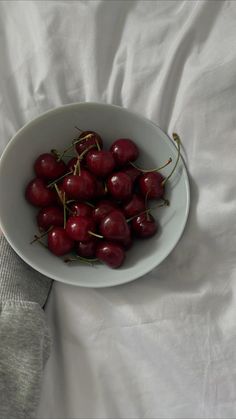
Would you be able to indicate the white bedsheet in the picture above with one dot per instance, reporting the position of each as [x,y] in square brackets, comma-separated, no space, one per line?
[162,346]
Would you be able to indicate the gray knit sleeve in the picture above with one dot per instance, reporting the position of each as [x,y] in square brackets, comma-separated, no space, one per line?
[24,336]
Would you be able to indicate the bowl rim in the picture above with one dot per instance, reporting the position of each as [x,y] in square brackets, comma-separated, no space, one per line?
[104,105]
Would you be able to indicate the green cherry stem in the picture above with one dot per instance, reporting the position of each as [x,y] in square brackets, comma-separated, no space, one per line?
[178,142]
[58,179]
[72,146]
[37,238]
[151,170]
[81,259]
[165,203]
[64,208]
[95,234]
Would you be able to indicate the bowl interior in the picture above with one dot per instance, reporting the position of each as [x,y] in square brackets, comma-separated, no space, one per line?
[55,129]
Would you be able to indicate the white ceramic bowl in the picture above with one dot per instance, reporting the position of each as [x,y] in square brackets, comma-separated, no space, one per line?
[55,129]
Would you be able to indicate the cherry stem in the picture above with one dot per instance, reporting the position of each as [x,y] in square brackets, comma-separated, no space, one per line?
[58,193]
[165,203]
[97,144]
[146,206]
[89,203]
[151,170]
[79,129]
[72,145]
[36,237]
[178,142]
[58,179]
[77,166]
[64,209]
[55,153]
[81,259]
[95,234]
[85,151]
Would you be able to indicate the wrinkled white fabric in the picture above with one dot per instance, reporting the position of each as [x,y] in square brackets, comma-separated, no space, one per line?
[164,345]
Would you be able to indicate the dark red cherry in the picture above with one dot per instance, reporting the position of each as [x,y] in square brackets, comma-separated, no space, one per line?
[102,209]
[58,241]
[124,150]
[132,172]
[79,228]
[114,226]
[151,185]
[134,206]
[80,208]
[144,226]
[100,162]
[87,249]
[119,185]
[50,216]
[85,143]
[80,187]
[128,240]
[46,166]
[38,194]
[112,254]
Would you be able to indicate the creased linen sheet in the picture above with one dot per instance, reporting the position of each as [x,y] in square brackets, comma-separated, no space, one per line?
[163,346]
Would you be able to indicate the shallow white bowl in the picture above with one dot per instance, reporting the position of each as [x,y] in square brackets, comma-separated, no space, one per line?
[55,129]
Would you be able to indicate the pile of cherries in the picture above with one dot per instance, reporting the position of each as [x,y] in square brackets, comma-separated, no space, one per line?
[96,203]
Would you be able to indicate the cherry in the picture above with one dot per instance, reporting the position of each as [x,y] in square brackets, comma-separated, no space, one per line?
[151,185]
[46,166]
[102,209]
[50,216]
[87,249]
[81,186]
[100,162]
[114,226]
[92,138]
[124,150]
[80,208]
[134,206]
[119,185]
[144,226]
[58,241]
[80,228]
[132,172]
[38,194]
[112,254]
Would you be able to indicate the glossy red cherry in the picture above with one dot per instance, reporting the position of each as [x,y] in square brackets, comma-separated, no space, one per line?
[46,166]
[100,162]
[79,228]
[38,194]
[144,226]
[132,172]
[86,249]
[120,185]
[102,209]
[80,208]
[124,150]
[93,139]
[134,206]
[151,185]
[80,186]
[114,226]
[50,216]
[112,254]
[58,241]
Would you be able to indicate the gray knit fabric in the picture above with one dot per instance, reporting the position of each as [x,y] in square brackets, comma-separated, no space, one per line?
[24,336]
